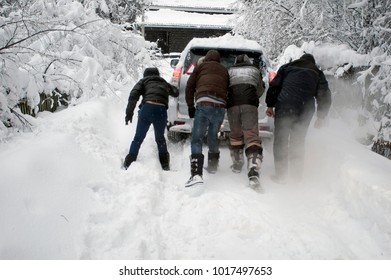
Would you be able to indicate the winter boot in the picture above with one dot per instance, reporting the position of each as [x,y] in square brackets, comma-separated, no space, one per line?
[254,165]
[237,158]
[196,165]
[254,160]
[213,162]
[165,161]
[128,160]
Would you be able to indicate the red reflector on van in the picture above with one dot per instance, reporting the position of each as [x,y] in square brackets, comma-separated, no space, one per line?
[190,69]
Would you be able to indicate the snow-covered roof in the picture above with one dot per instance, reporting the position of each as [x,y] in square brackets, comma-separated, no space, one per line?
[171,18]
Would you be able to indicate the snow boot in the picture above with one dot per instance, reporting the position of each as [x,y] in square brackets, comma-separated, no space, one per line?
[254,160]
[213,162]
[165,161]
[128,160]
[196,165]
[236,153]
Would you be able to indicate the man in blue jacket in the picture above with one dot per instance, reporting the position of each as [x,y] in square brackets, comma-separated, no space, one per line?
[153,110]
[292,94]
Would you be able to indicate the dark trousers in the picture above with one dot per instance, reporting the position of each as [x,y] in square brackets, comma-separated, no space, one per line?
[290,130]
[155,115]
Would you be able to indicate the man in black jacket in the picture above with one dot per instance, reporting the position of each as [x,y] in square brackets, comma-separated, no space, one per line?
[153,110]
[292,94]
[245,89]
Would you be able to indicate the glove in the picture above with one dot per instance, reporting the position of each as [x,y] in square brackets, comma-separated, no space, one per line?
[128,119]
[191,111]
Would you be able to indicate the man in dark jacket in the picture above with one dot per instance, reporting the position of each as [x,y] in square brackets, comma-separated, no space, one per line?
[245,89]
[293,93]
[206,97]
[153,110]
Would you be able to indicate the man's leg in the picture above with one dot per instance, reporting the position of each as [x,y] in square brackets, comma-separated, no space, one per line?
[216,118]
[297,146]
[282,130]
[159,125]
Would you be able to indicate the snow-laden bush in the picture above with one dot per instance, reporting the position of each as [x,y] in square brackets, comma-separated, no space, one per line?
[376,84]
[61,47]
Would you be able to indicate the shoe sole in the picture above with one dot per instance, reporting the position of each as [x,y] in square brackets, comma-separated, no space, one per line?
[194,184]
[255,184]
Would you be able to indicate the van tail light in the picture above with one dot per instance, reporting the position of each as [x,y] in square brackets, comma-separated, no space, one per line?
[190,69]
[177,72]
[176,76]
[272,74]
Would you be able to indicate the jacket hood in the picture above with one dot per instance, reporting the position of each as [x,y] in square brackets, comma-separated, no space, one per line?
[212,55]
[151,71]
[242,58]
[308,57]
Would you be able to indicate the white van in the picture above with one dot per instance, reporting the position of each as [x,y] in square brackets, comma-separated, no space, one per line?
[229,46]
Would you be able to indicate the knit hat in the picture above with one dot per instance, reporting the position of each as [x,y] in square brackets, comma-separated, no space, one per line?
[151,71]
[308,57]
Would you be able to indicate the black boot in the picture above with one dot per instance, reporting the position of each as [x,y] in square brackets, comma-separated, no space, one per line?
[196,165]
[213,162]
[128,160]
[254,160]
[253,167]
[165,161]
[236,153]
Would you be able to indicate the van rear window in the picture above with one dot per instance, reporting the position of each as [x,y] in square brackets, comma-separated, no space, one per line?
[227,56]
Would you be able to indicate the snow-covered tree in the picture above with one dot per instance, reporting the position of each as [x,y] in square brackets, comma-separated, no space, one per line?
[364,25]
[278,24]
[58,48]
[118,11]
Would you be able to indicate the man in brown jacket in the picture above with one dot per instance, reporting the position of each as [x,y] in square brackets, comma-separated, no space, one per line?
[206,97]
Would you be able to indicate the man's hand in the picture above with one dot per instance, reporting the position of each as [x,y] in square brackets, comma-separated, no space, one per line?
[270,112]
[128,119]
[191,111]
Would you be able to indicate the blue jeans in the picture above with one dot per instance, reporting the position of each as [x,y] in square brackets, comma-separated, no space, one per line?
[147,115]
[206,119]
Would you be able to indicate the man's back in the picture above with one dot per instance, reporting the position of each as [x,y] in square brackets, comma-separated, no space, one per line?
[209,79]
[296,86]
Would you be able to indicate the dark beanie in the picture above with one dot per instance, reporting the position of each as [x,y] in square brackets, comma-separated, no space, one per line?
[151,71]
[308,57]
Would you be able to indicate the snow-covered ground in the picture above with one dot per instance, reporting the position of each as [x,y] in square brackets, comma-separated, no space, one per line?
[64,196]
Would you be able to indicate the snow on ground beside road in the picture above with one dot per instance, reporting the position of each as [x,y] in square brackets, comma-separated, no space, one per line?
[64,196]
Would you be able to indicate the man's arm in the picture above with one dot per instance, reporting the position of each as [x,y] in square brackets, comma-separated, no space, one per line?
[323,97]
[134,96]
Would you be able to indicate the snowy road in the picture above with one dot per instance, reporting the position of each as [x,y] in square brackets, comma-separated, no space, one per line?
[63,196]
